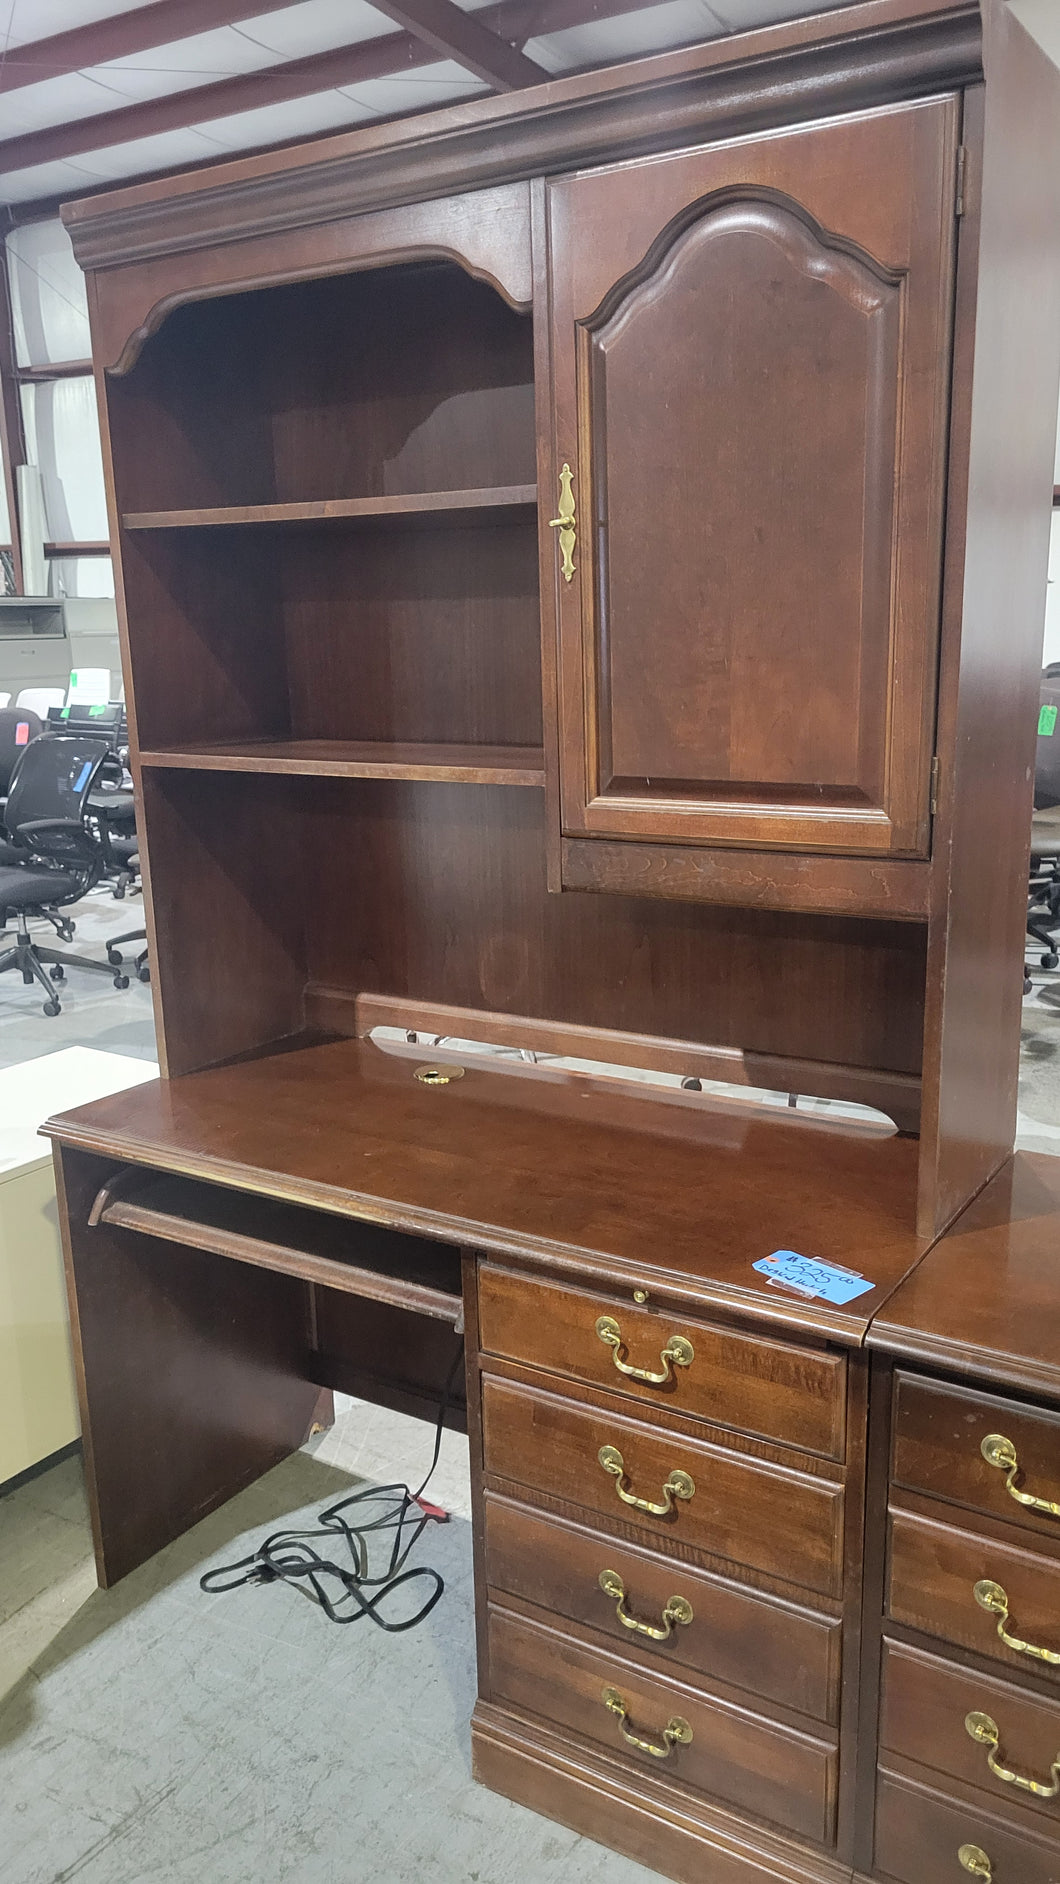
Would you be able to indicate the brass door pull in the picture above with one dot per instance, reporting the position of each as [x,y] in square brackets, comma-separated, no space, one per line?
[566,522]
[676,1733]
[988,1734]
[678,1485]
[991,1597]
[975,1860]
[677,1353]
[678,1609]
[999,1451]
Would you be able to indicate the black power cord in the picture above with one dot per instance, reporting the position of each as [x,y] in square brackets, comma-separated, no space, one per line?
[291,1556]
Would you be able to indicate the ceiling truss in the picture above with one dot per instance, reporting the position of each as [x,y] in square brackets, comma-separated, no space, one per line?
[488,43]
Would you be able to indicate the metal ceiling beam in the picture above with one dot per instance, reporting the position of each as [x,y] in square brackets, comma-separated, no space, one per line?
[296,78]
[123,36]
[386,57]
[463,37]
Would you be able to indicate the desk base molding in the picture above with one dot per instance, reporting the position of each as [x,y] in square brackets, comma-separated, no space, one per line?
[632,1813]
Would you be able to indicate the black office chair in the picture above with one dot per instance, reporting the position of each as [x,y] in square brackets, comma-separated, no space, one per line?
[112,806]
[58,857]
[17,729]
[1043,896]
[115,942]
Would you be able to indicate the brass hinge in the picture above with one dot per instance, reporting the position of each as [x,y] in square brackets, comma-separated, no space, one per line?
[962,158]
[935,785]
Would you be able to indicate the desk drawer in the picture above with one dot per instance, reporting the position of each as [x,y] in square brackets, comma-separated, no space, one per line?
[734,1635]
[774,1389]
[777,1520]
[920,1834]
[924,1715]
[730,1753]
[939,1433]
[935,1571]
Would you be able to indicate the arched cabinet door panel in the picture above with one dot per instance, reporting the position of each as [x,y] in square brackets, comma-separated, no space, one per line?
[750,369]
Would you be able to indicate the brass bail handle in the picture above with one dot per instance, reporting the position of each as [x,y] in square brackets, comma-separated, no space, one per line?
[678,1610]
[676,1733]
[1000,1452]
[987,1733]
[991,1597]
[566,522]
[677,1353]
[975,1860]
[678,1485]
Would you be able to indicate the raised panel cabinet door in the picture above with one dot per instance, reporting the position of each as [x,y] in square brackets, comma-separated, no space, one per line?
[750,387]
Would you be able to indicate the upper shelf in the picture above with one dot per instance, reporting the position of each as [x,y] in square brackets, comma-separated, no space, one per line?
[495,503]
[350,758]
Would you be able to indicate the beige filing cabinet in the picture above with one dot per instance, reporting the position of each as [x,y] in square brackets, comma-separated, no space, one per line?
[38,1403]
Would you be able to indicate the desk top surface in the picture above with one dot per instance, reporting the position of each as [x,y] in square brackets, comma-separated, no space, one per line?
[986,1300]
[580,1174]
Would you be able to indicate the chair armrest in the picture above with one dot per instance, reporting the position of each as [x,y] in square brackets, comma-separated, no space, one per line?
[37,825]
[63,841]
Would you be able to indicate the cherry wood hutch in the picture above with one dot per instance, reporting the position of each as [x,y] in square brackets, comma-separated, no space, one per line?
[581,559]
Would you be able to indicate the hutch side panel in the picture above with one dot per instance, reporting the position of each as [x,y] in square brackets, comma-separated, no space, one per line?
[1004,435]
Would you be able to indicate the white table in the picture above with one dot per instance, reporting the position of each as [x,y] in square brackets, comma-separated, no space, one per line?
[38,1401]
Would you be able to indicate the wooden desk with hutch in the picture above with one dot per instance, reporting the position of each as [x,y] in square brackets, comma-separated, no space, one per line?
[581,564]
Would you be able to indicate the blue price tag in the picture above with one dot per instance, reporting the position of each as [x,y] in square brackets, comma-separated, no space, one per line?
[816,1280]
[82,778]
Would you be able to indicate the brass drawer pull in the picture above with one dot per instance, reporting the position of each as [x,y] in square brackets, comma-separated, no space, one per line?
[975,1860]
[678,1485]
[676,1733]
[988,1734]
[677,1610]
[566,522]
[677,1353]
[999,1451]
[991,1597]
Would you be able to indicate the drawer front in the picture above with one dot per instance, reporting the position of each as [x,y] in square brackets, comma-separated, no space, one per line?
[939,1435]
[775,1520]
[1000,1600]
[708,1627]
[787,1393]
[725,1751]
[920,1835]
[928,1707]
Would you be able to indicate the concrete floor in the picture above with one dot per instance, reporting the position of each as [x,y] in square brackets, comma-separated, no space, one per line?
[94,1012]
[1038,1121]
[157,1735]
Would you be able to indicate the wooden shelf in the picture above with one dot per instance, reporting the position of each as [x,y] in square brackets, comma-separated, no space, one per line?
[344,758]
[496,503]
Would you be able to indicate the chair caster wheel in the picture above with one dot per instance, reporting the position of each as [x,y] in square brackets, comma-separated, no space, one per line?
[1050,960]
[121,981]
[143,974]
[57,973]
[51,1008]
[119,894]
[1027,984]
[114,956]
